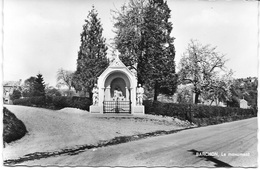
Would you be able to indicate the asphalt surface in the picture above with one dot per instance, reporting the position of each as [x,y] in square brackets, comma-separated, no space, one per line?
[231,144]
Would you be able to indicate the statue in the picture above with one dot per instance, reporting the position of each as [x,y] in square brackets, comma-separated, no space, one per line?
[140,93]
[118,94]
[95,95]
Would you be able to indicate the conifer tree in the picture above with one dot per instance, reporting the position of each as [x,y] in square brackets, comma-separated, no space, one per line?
[39,86]
[92,59]
[143,37]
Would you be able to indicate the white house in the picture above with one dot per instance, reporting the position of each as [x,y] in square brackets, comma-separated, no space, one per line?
[244,104]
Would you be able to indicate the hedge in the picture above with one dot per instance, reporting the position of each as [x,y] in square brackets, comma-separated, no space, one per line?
[199,114]
[55,102]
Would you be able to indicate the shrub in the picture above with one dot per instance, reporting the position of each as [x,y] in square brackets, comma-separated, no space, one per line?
[60,102]
[38,101]
[55,102]
[200,114]
[80,103]
[13,128]
[23,101]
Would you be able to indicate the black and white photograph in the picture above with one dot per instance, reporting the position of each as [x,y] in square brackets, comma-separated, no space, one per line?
[130,83]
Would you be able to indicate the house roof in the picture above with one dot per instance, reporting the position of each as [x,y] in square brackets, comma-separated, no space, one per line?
[12,83]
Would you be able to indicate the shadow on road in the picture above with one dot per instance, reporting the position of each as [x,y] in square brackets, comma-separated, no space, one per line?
[201,154]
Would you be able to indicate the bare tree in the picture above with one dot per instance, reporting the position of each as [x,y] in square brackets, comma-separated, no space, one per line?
[64,78]
[201,65]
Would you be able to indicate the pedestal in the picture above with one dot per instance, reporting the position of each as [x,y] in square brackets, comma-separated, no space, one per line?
[95,109]
[138,110]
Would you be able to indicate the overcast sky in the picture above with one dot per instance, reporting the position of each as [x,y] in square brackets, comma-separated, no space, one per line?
[41,36]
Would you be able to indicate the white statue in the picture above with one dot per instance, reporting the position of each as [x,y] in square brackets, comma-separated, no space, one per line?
[95,95]
[140,94]
[118,94]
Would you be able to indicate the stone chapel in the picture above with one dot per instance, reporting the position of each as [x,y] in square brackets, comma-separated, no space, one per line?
[116,91]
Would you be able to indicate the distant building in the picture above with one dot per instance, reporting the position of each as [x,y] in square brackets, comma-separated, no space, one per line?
[184,94]
[214,103]
[244,104]
[8,89]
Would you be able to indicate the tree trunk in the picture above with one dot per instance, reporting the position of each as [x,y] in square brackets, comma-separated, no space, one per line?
[90,94]
[155,92]
[197,94]
[70,94]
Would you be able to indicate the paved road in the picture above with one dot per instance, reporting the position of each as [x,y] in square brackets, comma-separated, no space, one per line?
[225,145]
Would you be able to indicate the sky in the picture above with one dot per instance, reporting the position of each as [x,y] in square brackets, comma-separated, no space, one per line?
[41,36]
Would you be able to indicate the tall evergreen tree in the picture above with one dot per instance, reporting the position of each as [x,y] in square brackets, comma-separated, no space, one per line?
[92,59]
[39,86]
[159,49]
[143,37]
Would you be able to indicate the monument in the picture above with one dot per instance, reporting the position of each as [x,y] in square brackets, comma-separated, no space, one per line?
[116,91]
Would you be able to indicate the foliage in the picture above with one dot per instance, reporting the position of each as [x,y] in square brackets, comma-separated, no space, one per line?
[23,101]
[38,101]
[55,102]
[64,77]
[13,128]
[28,87]
[199,114]
[166,109]
[144,41]
[245,88]
[52,92]
[129,23]
[39,86]
[184,94]
[233,102]
[219,89]
[92,59]
[16,94]
[200,65]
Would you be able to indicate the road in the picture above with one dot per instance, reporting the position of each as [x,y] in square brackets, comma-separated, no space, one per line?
[231,144]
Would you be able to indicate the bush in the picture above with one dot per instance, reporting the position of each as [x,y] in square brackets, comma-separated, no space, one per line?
[199,114]
[38,101]
[23,101]
[55,102]
[60,102]
[14,128]
[80,103]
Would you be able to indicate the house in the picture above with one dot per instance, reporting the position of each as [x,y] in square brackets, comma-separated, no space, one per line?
[8,89]
[243,104]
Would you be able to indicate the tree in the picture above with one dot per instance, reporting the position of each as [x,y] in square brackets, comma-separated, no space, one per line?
[129,24]
[244,88]
[184,94]
[143,39]
[39,86]
[50,91]
[92,59]
[16,94]
[159,49]
[200,65]
[64,77]
[28,87]
[219,90]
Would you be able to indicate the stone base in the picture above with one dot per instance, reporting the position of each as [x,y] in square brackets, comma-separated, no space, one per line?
[138,110]
[95,109]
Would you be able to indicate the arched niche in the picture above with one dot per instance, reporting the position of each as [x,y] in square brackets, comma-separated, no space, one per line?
[117,74]
[117,80]
[118,84]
